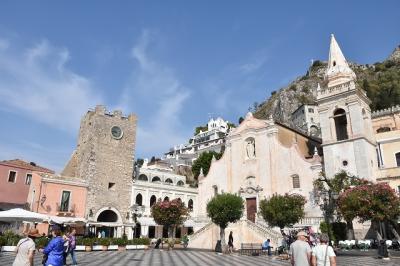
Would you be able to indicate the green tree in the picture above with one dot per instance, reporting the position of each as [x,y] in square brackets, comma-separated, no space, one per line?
[282,210]
[224,209]
[336,185]
[169,214]
[204,162]
[370,202]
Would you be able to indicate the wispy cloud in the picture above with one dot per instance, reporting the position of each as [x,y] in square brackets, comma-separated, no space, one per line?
[160,96]
[36,82]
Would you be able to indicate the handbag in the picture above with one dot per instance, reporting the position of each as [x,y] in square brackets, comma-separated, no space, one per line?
[326,254]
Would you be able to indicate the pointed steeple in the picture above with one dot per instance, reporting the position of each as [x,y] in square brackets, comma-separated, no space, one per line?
[338,69]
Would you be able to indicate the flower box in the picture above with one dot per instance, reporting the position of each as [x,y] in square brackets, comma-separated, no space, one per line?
[97,248]
[131,247]
[113,247]
[8,248]
[80,248]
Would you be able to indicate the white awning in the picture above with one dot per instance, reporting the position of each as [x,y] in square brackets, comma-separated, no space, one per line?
[101,224]
[18,214]
[67,220]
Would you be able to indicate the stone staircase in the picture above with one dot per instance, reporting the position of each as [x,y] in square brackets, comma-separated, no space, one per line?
[244,231]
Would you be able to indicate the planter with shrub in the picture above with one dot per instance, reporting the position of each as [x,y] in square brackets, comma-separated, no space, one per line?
[120,242]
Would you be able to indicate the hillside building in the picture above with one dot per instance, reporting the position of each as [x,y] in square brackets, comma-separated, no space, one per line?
[212,139]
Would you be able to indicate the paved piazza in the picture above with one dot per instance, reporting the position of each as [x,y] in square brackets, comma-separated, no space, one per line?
[190,258]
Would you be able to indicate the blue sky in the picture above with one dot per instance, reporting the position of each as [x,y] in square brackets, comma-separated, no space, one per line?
[173,63]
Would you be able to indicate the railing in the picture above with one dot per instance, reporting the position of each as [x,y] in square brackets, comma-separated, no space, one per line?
[266,231]
[198,232]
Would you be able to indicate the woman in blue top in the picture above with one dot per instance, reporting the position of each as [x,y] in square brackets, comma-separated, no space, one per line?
[55,249]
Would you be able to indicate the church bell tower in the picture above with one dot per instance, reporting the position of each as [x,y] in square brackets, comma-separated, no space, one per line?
[345,117]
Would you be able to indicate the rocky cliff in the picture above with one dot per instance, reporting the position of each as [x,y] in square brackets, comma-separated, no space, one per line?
[381,81]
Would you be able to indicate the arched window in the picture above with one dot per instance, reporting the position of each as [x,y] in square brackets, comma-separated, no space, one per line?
[340,124]
[398,159]
[143,177]
[180,183]
[153,200]
[168,181]
[166,198]
[139,199]
[296,181]
[156,179]
[383,129]
[190,205]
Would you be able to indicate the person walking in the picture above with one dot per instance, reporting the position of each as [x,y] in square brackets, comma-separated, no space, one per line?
[55,249]
[300,250]
[323,254]
[26,249]
[72,246]
[230,242]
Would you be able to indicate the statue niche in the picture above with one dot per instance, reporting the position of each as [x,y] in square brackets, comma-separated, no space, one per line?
[250,148]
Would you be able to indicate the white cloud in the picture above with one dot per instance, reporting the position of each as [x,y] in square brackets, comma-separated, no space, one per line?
[156,85]
[35,82]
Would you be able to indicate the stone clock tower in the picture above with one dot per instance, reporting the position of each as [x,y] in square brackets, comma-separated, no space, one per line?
[345,117]
[104,158]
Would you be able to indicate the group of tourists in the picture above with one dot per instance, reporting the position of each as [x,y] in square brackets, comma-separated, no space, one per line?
[54,254]
[320,255]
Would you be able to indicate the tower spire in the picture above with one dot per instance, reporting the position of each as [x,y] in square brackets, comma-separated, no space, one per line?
[338,69]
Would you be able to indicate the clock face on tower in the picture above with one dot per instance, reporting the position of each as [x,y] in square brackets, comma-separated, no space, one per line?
[116,132]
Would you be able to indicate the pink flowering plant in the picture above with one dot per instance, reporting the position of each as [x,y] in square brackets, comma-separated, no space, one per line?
[370,202]
[170,214]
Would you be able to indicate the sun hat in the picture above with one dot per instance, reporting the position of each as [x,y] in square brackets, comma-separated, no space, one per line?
[33,232]
[301,233]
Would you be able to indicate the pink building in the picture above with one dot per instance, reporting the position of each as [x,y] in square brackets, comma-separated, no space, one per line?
[15,179]
[57,196]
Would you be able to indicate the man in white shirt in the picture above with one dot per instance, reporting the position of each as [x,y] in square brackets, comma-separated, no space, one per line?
[26,249]
[300,250]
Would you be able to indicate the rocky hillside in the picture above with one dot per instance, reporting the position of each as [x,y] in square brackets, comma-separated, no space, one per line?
[381,81]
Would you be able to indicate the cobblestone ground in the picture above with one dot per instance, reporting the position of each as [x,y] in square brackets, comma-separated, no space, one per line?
[191,258]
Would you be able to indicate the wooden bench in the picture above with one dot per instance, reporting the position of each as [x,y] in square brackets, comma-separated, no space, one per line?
[253,249]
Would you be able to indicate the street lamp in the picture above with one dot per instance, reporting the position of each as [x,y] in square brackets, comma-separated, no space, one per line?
[327,206]
[137,211]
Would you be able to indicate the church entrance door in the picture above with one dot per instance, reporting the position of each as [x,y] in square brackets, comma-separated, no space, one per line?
[251,204]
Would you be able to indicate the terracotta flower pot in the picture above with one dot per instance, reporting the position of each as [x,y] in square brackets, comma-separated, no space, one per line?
[88,248]
[121,248]
[104,248]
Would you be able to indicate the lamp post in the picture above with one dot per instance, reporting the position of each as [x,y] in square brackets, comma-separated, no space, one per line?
[137,211]
[327,206]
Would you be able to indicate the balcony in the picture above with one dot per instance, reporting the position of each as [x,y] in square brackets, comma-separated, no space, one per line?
[65,212]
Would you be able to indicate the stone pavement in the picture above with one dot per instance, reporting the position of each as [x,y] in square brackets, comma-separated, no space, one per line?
[190,258]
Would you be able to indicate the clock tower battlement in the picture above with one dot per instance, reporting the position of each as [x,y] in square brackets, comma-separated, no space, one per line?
[104,158]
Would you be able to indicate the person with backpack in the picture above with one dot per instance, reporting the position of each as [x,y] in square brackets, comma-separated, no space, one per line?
[26,249]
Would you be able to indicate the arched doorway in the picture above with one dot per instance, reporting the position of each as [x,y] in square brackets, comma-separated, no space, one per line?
[153,200]
[107,216]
